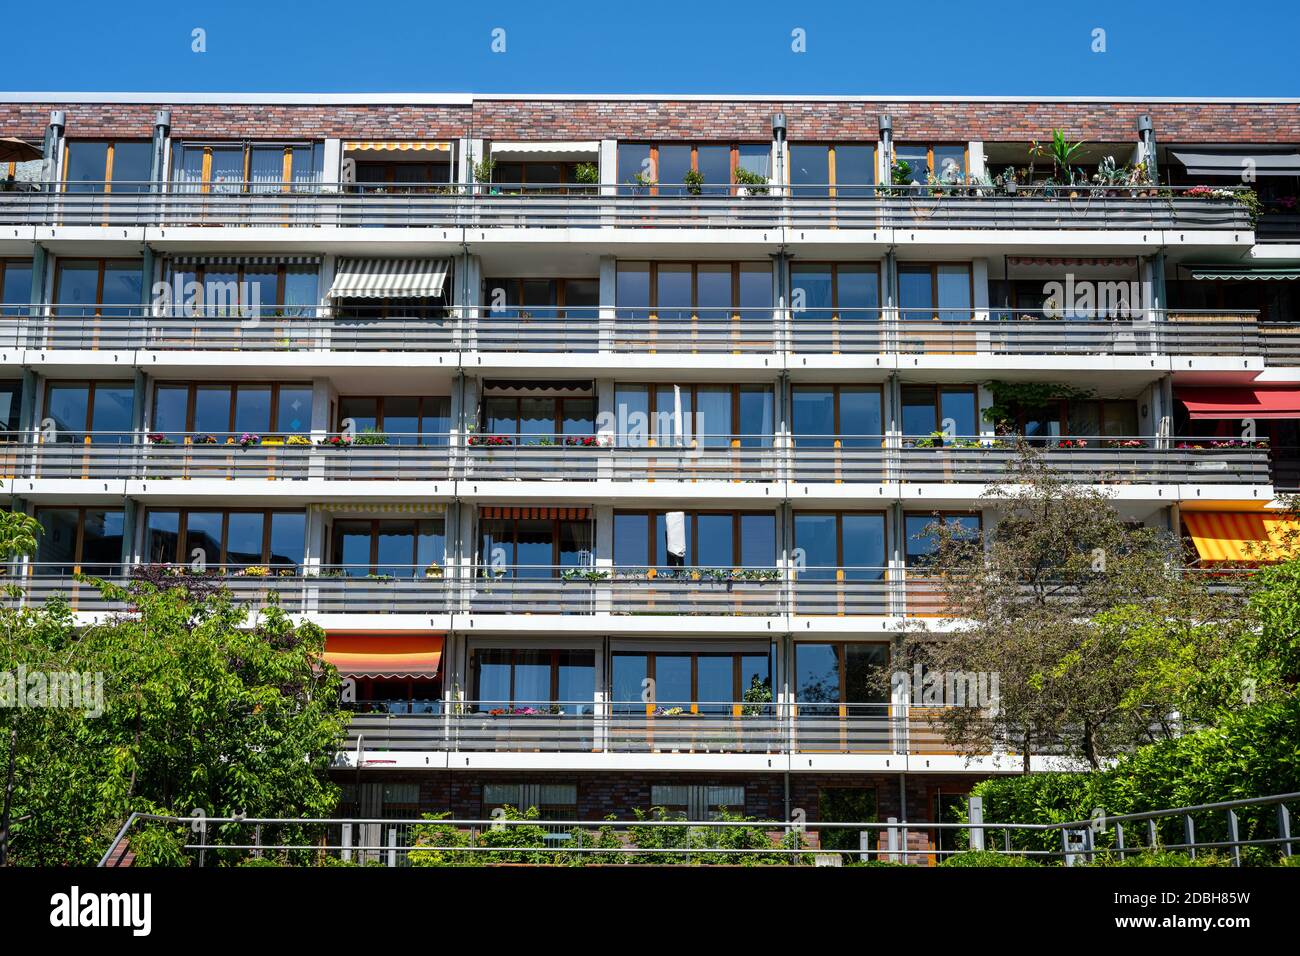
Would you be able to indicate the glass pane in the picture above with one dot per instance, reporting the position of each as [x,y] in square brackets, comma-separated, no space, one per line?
[631,541]
[757,158]
[661,540]
[112,415]
[810,170]
[78,290]
[755,289]
[227,168]
[916,292]
[632,415]
[672,686]
[858,292]
[532,678]
[576,681]
[300,290]
[1084,418]
[958,407]
[58,544]
[492,679]
[757,541]
[715,675]
[756,414]
[69,407]
[352,546]
[16,291]
[536,417]
[632,292]
[862,665]
[162,537]
[627,684]
[203,532]
[714,164]
[244,538]
[713,291]
[266,168]
[715,547]
[132,167]
[402,419]
[579,416]
[435,420]
[87,166]
[633,160]
[860,415]
[954,292]
[101,541]
[665,428]
[253,409]
[855,169]
[430,544]
[1121,419]
[817,673]
[288,530]
[534,550]
[673,287]
[811,292]
[396,544]
[674,164]
[713,416]
[363,412]
[864,547]
[171,409]
[501,415]
[950,163]
[920,416]
[212,409]
[575,544]
[122,288]
[815,537]
[293,416]
[911,164]
[812,409]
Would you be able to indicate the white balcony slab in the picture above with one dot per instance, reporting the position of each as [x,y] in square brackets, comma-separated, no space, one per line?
[278,491]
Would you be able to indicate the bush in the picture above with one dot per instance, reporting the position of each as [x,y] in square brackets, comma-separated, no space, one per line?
[519,841]
[1163,858]
[435,844]
[986,858]
[601,846]
[158,845]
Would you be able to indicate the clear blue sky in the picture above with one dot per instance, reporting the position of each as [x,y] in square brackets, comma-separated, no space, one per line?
[936,47]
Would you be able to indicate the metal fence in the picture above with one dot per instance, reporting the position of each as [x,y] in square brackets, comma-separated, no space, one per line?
[661,839]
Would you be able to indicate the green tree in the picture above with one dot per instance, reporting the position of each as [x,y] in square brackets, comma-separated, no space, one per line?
[19,534]
[203,709]
[1094,632]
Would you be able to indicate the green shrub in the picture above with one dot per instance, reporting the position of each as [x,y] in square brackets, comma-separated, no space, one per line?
[520,843]
[1148,858]
[435,844]
[159,845]
[604,841]
[261,861]
[986,858]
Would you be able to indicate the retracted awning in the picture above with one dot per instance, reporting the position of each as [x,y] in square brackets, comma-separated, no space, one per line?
[396,146]
[230,260]
[535,513]
[389,278]
[554,150]
[384,655]
[1241,536]
[1241,402]
[389,507]
[1233,160]
[1246,273]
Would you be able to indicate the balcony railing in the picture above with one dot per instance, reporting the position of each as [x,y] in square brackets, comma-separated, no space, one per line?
[634,330]
[507,206]
[742,727]
[574,590]
[732,459]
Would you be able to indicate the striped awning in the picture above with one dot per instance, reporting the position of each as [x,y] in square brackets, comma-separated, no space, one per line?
[389,278]
[213,260]
[396,146]
[387,508]
[553,149]
[551,514]
[384,655]
[1249,536]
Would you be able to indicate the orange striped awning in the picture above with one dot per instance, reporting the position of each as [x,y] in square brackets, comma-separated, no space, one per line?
[547,514]
[384,655]
[1239,535]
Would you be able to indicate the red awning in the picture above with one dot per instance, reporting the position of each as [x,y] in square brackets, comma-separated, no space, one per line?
[384,655]
[1241,402]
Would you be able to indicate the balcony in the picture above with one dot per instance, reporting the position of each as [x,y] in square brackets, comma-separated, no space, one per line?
[504,206]
[721,460]
[883,338]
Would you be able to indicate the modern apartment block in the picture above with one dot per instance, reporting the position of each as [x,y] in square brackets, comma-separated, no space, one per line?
[600,433]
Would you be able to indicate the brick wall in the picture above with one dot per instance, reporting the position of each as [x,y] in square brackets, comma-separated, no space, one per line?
[676,119]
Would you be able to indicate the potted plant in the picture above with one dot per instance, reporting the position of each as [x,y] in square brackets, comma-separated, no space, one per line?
[433,572]
[371,436]
[694,182]
[750,183]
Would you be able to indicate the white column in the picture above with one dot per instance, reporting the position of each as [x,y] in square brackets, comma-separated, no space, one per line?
[608,302]
[975,154]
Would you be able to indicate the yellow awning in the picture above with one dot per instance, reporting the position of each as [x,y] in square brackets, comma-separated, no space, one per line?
[1241,536]
[397,146]
[397,507]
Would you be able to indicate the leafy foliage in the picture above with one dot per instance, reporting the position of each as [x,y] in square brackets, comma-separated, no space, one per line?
[19,534]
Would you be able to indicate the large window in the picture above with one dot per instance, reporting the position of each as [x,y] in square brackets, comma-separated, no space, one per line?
[87,540]
[11,397]
[388,547]
[836,416]
[697,801]
[841,169]
[711,416]
[918,529]
[231,409]
[951,409]
[701,682]
[529,419]
[85,287]
[840,546]
[85,411]
[838,676]
[684,291]
[402,419]
[239,538]
[720,539]
[661,168]
[532,542]
[240,289]
[542,298]
[15,287]
[552,681]
[941,291]
[914,164]
[246,167]
[554,801]
[120,166]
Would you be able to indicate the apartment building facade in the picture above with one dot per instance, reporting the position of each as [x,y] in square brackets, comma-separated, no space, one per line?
[602,434]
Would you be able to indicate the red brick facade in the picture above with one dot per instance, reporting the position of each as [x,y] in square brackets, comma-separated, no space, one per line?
[678,119]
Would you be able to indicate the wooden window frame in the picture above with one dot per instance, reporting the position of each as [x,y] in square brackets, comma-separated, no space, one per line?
[234,386]
[557,421]
[839,515]
[943,514]
[514,536]
[514,652]
[182,528]
[103,264]
[380,410]
[247,145]
[830,163]
[91,385]
[842,661]
[837,390]
[79,549]
[737,674]
[936,309]
[834,268]
[652,546]
[929,155]
[110,150]
[733,147]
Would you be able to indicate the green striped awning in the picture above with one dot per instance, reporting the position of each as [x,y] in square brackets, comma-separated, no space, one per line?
[1247,273]
[389,278]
